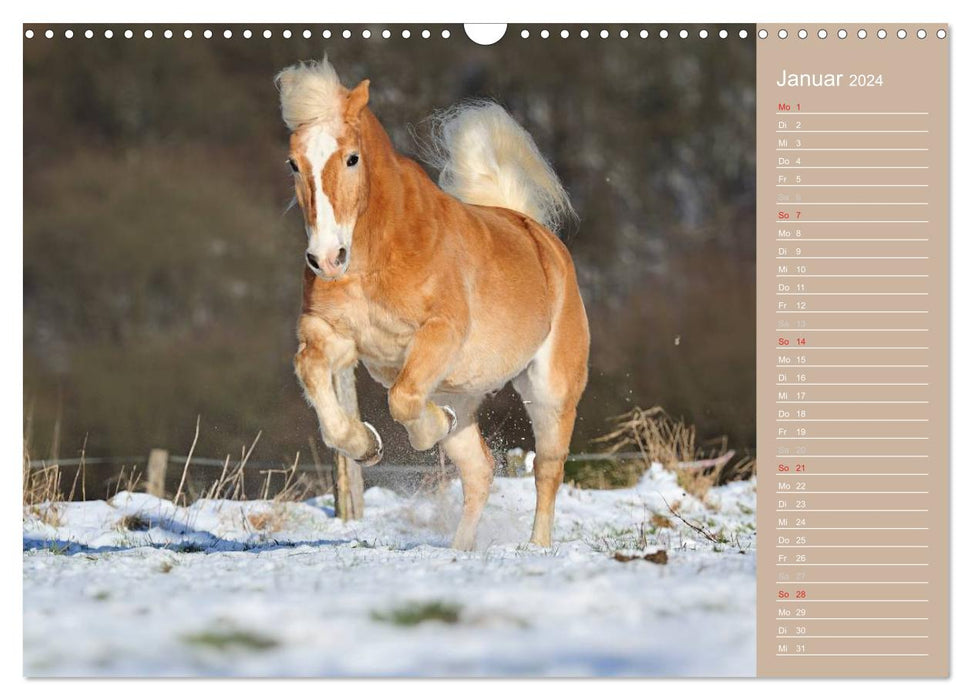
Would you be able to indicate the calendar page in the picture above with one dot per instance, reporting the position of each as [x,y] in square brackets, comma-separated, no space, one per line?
[522,350]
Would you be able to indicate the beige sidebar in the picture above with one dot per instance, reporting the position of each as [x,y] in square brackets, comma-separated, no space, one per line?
[852,233]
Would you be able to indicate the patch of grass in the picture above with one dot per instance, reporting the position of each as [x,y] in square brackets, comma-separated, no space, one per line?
[612,540]
[187,547]
[415,613]
[58,548]
[601,474]
[225,640]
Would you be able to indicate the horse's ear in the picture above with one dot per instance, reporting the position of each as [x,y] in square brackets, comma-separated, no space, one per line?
[356,101]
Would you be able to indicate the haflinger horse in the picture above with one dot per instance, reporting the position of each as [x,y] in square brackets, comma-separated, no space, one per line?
[445,293]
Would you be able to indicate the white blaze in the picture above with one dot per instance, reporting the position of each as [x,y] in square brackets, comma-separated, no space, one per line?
[324,236]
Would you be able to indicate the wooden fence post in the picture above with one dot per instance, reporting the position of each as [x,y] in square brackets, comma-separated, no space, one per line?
[348,479]
[158,462]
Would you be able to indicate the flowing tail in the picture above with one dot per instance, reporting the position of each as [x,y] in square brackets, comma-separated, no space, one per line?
[486,158]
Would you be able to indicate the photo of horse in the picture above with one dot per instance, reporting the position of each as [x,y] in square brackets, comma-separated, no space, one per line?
[419,284]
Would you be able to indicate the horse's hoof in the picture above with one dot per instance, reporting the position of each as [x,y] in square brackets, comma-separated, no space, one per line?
[453,420]
[369,460]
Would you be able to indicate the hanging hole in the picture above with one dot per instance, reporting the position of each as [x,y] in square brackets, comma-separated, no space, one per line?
[485,34]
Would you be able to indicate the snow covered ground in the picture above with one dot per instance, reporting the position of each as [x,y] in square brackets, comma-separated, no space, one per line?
[137,586]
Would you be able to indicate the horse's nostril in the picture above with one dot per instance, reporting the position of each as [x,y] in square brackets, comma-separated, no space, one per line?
[341,256]
[312,261]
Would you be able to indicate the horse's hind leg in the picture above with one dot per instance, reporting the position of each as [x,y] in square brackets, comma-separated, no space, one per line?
[553,427]
[466,448]
[551,387]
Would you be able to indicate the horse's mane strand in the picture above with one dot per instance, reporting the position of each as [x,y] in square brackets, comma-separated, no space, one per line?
[310,93]
[484,157]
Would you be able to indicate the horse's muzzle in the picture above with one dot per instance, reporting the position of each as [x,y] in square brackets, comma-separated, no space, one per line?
[330,265]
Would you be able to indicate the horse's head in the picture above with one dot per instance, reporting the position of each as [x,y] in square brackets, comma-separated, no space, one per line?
[329,167]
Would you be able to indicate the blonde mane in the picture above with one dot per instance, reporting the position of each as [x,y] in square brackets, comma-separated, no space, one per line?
[311,93]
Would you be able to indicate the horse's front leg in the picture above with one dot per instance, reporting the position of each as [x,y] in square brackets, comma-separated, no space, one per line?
[321,357]
[433,348]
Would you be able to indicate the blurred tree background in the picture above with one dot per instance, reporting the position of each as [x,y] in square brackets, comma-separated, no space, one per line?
[162,271]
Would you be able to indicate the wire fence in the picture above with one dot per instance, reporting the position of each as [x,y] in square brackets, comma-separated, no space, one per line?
[262,466]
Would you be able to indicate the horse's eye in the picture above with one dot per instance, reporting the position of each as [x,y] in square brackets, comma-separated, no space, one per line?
[352,160]
[293,165]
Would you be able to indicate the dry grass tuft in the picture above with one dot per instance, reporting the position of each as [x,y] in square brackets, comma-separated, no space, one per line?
[129,480]
[133,523]
[41,491]
[41,485]
[697,482]
[660,522]
[272,520]
[658,557]
[673,444]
